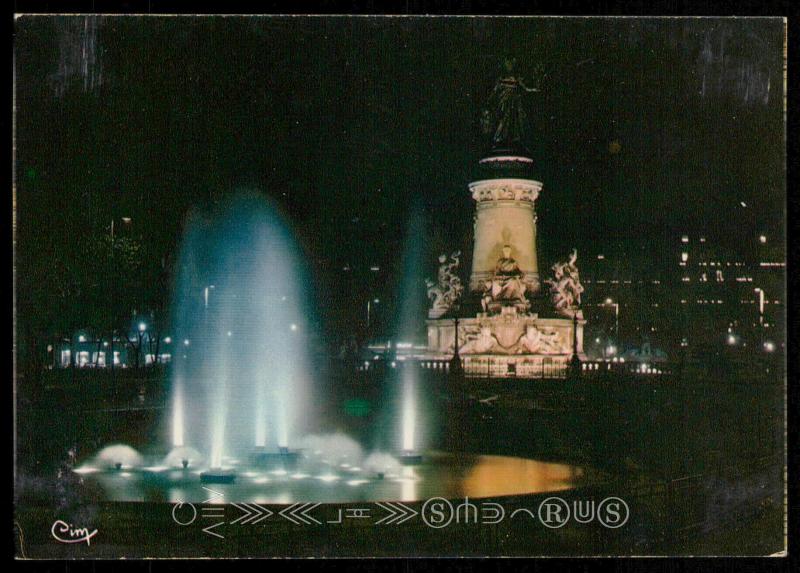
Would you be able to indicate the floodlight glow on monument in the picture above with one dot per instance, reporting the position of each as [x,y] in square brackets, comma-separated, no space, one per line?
[507,324]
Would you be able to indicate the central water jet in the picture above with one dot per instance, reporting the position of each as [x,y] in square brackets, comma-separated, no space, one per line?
[240,309]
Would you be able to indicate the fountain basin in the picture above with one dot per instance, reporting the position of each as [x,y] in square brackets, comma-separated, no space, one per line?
[284,456]
[410,458]
[218,475]
[438,474]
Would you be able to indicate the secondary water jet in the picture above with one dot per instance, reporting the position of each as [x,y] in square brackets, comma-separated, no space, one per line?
[411,307]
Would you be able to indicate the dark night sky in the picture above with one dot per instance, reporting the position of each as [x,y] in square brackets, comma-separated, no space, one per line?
[345,121]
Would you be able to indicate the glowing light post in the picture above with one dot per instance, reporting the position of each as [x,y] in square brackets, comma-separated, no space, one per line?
[456,368]
[611,349]
[760,292]
[609,302]
[369,305]
[140,335]
[126,221]
[574,368]
[761,296]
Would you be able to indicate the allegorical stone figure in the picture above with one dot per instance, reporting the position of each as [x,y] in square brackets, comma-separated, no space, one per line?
[479,343]
[565,286]
[507,283]
[447,289]
[504,117]
[534,340]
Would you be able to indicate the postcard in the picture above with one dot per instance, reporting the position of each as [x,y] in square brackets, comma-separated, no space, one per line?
[374,286]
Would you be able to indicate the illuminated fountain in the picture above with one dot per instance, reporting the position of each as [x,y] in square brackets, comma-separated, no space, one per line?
[118,457]
[409,455]
[240,403]
[411,308]
[240,312]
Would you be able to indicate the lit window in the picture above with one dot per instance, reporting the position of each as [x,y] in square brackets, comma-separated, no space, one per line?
[99,358]
[685,239]
[82,358]
[601,257]
[66,358]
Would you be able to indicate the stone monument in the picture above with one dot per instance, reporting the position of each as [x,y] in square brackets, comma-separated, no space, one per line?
[506,325]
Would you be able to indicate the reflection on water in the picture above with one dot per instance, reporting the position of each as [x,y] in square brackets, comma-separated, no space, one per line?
[408,481]
[495,475]
[440,475]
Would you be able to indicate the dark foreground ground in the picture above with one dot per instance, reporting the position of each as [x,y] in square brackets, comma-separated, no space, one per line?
[697,460]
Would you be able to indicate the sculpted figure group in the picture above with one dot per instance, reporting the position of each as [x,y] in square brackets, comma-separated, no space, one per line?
[507,285]
[565,286]
[446,291]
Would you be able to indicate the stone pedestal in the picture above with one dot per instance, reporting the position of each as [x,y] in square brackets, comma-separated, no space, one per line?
[505,215]
[507,339]
[507,345]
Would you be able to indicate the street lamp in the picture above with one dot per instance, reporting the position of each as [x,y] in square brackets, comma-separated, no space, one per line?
[760,292]
[125,220]
[609,302]
[369,305]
